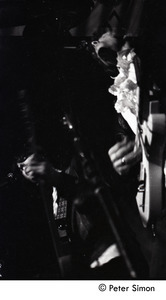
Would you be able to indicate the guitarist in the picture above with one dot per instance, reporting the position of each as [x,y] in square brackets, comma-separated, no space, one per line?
[122,155]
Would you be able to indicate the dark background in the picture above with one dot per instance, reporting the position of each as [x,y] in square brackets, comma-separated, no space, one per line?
[55,80]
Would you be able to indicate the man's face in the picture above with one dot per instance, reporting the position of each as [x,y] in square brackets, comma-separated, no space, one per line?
[106,52]
[105,41]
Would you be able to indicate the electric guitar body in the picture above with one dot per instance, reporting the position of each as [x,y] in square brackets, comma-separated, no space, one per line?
[150,195]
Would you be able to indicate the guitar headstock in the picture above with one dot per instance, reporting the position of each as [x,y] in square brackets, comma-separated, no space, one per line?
[77,141]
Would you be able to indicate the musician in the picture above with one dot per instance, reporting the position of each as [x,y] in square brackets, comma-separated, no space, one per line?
[93,240]
[123,160]
[102,257]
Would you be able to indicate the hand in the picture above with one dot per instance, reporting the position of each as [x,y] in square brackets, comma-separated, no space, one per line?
[123,156]
[35,169]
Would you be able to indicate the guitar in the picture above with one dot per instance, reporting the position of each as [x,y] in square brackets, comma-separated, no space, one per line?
[152,137]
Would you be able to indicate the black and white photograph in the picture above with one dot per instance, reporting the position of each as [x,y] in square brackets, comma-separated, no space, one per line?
[83,144]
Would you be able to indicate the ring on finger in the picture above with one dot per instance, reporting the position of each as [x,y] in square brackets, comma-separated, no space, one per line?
[123,161]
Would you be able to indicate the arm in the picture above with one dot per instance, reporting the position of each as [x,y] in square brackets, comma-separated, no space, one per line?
[36,170]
